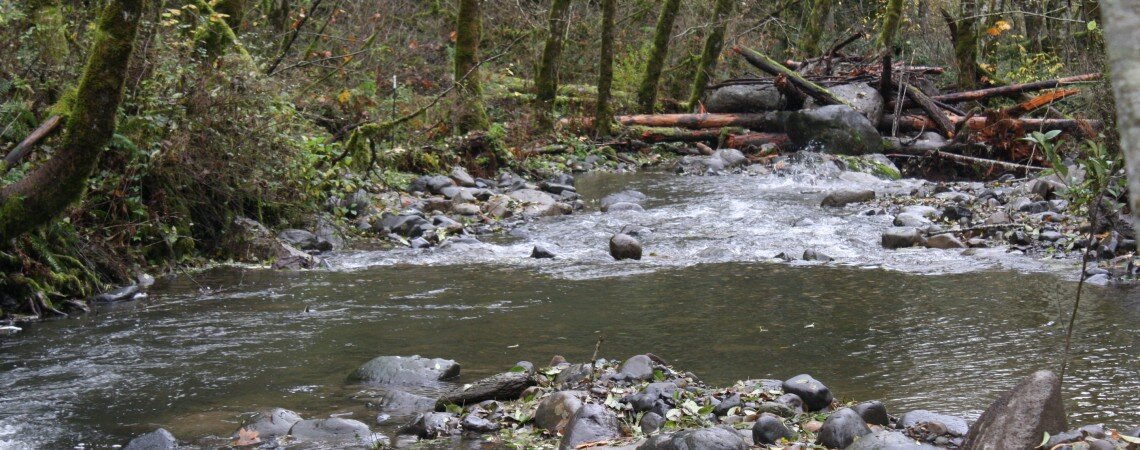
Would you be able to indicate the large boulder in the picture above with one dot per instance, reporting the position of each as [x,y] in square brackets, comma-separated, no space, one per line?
[590,423]
[861,96]
[1021,417]
[626,196]
[836,129]
[814,394]
[406,370]
[703,438]
[636,368]
[555,411]
[873,412]
[503,386]
[536,203]
[431,425]
[842,428]
[745,98]
[331,430]
[159,439]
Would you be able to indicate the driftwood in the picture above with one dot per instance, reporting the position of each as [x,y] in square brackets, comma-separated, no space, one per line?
[1010,90]
[912,122]
[938,151]
[23,149]
[656,134]
[769,121]
[820,93]
[941,122]
[1039,102]
[743,141]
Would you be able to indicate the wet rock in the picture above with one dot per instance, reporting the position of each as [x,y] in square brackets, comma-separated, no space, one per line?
[731,157]
[624,246]
[793,401]
[121,294]
[873,412]
[716,438]
[298,238]
[648,397]
[813,255]
[331,430]
[420,242]
[861,96]
[465,209]
[888,440]
[781,409]
[834,129]
[841,428]
[479,425]
[814,394]
[406,370]
[541,251]
[288,257]
[637,368]
[953,426]
[436,183]
[328,238]
[744,99]
[726,405]
[910,220]
[404,404]
[901,237]
[556,189]
[1022,416]
[590,423]
[651,422]
[447,223]
[624,206]
[272,422]
[461,177]
[159,439]
[627,196]
[431,425]
[1049,236]
[944,241]
[555,411]
[572,375]
[769,429]
[998,218]
[841,198]
[535,203]
[503,386]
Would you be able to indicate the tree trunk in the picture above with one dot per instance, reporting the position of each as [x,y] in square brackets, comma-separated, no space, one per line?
[1121,33]
[964,35]
[278,14]
[603,115]
[546,81]
[711,53]
[43,194]
[470,115]
[215,36]
[892,20]
[647,94]
[813,29]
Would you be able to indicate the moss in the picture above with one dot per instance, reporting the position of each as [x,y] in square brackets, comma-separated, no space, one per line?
[711,53]
[546,80]
[813,28]
[892,19]
[647,93]
[871,166]
[471,115]
[602,110]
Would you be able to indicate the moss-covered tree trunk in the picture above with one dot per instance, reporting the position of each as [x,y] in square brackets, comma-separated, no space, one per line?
[964,35]
[469,114]
[813,28]
[546,80]
[714,43]
[277,11]
[647,93]
[217,33]
[1121,33]
[234,10]
[602,114]
[46,192]
[892,20]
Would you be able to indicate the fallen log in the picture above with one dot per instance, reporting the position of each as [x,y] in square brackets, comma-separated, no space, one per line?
[24,147]
[1039,102]
[821,94]
[654,135]
[937,151]
[911,122]
[941,122]
[768,121]
[1009,90]
[757,140]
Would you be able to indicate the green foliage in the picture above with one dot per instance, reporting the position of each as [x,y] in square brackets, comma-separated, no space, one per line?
[1101,171]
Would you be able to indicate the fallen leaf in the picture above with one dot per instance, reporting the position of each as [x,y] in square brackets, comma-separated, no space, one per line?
[247,437]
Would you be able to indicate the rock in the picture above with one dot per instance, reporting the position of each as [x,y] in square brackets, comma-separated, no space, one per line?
[841,428]
[624,246]
[744,98]
[328,237]
[461,177]
[557,189]
[769,429]
[436,183]
[627,196]
[465,209]
[944,241]
[590,423]
[572,375]
[406,370]
[648,397]
[503,386]
[535,203]
[1044,187]
[447,223]
[555,411]
[873,412]
[861,96]
[1022,416]
[836,129]
[272,422]
[726,405]
[398,403]
[901,237]
[954,426]
[731,157]
[479,424]
[716,438]
[781,409]
[541,251]
[331,430]
[1049,236]
[792,401]
[812,255]
[838,199]
[298,238]
[652,422]
[121,294]
[159,439]
[290,258]
[910,220]
[637,368]
[888,440]
[623,206]
[815,395]
[430,425]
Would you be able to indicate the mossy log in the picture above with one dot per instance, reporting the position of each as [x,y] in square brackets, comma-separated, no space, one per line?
[769,121]
[917,123]
[470,114]
[769,65]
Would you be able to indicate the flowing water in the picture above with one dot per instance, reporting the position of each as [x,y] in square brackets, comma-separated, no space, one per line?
[916,328]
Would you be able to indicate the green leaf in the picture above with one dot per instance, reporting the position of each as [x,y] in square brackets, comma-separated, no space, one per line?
[1091,25]
[517,369]
[1044,441]
[1130,439]
[1052,134]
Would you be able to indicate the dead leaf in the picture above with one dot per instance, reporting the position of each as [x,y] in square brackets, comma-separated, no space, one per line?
[247,437]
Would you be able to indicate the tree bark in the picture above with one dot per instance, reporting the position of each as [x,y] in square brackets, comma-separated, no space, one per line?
[546,81]
[470,115]
[603,116]
[43,194]
[964,35]
[278,14]
[647,93]
[916,123]
[892,20]
[1121,33]
[767,122]
[813,29]
[769,65]
[714,43]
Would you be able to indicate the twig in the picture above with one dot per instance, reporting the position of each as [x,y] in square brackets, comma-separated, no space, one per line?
[1080,284]
[23,149]
[292,37]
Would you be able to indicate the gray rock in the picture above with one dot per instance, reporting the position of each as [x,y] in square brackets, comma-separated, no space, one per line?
[535,203]
[557,189]
[398,403]
[726,405]
[447,223]
[272,422]
[648,397]
[431,425]
[716,438]
[572,375]
[998,218]
[861,96]
[910,220]
[815,395]
[406,370]
[331,430]
[901,237]
[627,196]
[792,401]
[769,429]
[744,98]
[813,255]
[436,183]
[873,412]
[159,439]
[888,440]
[842,428]
[461,177]
[944,241]
[954,426]
[465,209]
[836,129]
[927,212]
[479,424]
[555,411]
[623,206]
[503,386]
[781,409]
[1050,236]
[1022,416]
[841,198]
[590,423]
[298,238]
[624,246]
[651,423]
[637,368]
[328,238]
[731,157]
[541,251]
[121,294]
